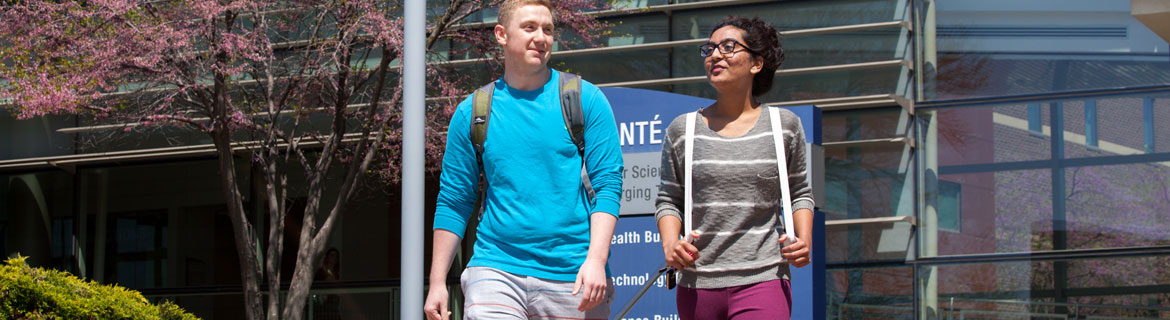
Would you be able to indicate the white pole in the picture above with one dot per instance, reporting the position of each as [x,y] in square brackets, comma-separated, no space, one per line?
[413,158]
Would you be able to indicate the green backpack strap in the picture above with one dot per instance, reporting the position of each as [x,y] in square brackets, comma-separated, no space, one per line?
[575,123]
[481,106]
[481,113]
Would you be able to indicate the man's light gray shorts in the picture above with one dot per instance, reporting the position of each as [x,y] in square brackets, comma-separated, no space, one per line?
[493,294]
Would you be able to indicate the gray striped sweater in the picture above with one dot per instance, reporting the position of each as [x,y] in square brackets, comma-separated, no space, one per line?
[736,199]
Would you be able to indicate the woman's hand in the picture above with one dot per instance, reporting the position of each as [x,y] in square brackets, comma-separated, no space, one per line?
[680,254]
[797,253]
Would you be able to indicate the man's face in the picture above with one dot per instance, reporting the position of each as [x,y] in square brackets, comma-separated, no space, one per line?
[528,36]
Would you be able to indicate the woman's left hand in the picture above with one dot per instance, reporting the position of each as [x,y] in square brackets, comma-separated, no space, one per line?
[797,253]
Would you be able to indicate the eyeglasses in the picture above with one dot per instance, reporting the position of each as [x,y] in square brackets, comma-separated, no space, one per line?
[726,47]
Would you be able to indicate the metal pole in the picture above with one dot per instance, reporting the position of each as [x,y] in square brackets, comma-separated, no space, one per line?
[413,152]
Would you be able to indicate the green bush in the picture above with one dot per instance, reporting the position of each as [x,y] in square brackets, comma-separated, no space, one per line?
[35,293]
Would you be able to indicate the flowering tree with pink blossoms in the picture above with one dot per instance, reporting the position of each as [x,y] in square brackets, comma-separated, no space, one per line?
[291,85]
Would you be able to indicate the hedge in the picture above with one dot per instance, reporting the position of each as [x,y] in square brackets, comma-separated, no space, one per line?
[35,293]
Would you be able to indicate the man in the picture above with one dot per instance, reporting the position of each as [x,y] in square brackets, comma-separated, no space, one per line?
[542,244]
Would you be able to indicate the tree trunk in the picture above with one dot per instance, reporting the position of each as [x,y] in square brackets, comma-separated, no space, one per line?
[242,229]
[221,135]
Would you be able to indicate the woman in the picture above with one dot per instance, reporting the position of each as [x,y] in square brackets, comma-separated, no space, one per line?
[328,305]
[736,267]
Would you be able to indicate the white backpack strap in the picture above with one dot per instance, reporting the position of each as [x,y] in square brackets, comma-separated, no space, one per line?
[688,168]
[782,169]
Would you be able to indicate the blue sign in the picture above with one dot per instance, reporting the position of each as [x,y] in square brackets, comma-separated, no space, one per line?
[636,249]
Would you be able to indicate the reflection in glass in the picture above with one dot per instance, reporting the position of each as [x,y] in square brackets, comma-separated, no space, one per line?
[1028,178]
[36,219]
[1118,205]
[818,85]
[981,49]
[1120,127]
[34,138]
[788,15]
[810,51]
[617,66]
[1133,287]
[864,124]
[868,181]
[877,293]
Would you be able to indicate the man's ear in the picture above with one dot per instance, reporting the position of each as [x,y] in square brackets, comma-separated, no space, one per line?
[501,35]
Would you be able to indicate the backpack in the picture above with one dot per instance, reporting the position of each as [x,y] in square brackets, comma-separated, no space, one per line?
[570,91]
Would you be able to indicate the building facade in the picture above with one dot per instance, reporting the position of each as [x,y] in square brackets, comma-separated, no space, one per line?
[983,159]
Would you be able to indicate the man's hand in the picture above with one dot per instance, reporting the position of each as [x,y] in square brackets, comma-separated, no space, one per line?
[680,254]
[797,253]
[591,283]
[436,305]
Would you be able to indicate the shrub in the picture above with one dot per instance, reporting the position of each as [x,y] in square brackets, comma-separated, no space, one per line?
[35,293]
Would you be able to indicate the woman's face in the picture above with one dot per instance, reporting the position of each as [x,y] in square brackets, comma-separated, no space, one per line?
[735,69]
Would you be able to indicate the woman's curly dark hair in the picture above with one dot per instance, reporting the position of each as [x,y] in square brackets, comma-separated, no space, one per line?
[764,41]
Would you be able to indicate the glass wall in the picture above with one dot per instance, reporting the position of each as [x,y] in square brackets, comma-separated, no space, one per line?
[1092,288]
[992,48]
[35,137]
[1026,177]
[870,293]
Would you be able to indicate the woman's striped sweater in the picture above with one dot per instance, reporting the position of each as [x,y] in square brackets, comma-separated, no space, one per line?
[736,199]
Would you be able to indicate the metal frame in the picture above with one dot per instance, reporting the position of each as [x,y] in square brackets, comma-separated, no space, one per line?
[880,220]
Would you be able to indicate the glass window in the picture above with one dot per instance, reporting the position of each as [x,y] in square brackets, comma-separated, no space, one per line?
[1087,288]
[867,181]
[1035,119]
[629,4]
[981,49]
[950,206]
[814,85]
[1124,205]
[873,293]
[791,15]
[864,124]
[36,137]
[36,215]
[1120,127]
[636,30]
[811,51]
[806,51]
[1091,141]
[1012,195]
[618,66]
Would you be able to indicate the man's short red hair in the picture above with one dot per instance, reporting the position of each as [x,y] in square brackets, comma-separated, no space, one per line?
[510,6]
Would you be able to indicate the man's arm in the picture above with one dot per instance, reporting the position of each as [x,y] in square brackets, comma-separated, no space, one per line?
[603,160]
[453,208]
[591,280]
[603,151]
[445,243]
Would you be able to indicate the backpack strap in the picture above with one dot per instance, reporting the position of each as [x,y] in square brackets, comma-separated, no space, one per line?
[782,169]
[481,113]
[574,116]
[688,169]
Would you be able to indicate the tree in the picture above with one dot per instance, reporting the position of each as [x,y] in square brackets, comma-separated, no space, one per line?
[260,78]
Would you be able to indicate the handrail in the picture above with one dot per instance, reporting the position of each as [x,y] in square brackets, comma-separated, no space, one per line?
[855,143]
[850,222]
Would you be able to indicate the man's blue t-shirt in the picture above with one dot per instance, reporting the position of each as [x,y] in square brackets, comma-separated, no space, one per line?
[536,221]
